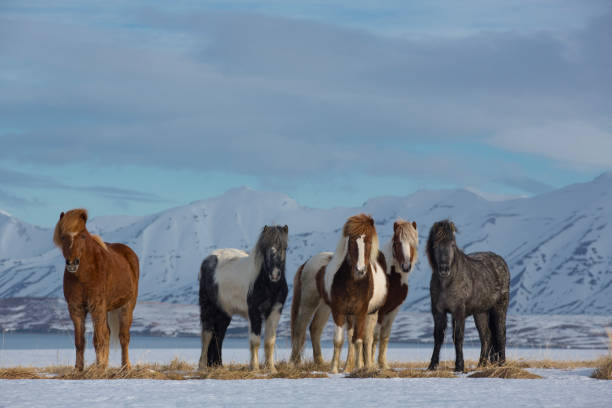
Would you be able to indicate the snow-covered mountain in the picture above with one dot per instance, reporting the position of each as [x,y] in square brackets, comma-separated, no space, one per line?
[558,245]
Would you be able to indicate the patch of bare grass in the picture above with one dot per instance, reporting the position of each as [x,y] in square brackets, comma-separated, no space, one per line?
[604,369]
[604,364]
[94,372]
[400,373]
[507,371]
[19,373]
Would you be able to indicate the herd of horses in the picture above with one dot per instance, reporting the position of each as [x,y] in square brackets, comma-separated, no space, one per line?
[361,284]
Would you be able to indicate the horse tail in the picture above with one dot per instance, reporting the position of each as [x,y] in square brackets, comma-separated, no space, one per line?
[112,319]
[297,298]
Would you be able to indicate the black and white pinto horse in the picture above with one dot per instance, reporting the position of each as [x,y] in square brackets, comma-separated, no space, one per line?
[250,285]
[467,284]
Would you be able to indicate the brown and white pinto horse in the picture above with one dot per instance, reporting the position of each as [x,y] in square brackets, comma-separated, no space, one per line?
[100,278]
[350,283]
[402,254]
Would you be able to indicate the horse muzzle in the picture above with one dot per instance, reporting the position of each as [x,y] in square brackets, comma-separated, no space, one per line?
[444,271]
[360,274]
[275,275]
[72,266]
[406,267]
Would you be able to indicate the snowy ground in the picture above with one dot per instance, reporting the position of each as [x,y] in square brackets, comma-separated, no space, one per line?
[559,388]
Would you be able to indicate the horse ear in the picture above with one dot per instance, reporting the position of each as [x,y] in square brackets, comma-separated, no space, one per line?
[414,224]
[371,221]
[84,216]
[395,225]
[61,215]
[286,229]
[453,227]
[265,228]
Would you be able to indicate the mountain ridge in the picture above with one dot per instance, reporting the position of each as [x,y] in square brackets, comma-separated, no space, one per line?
[557,244]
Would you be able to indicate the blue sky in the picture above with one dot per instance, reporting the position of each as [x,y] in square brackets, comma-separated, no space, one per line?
[134,107]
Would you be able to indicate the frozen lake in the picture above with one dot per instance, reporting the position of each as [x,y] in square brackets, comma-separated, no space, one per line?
[558,388]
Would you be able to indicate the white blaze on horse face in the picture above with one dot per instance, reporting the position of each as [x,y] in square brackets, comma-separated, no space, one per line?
[407,252]
[361,265]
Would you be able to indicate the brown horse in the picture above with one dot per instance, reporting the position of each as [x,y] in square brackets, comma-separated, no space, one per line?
[351,283]
[100,278]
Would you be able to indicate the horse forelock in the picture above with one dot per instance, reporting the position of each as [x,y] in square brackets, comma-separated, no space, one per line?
[71,223]
[404,231]
[441,231]
[362,224]
[271,236]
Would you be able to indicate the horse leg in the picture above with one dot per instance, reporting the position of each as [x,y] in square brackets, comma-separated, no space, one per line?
[458,329]
[439,329]
[358,335]
[316,329]
[498,323]
[255,323]
[376,340]
[339,320]
[216,343]
[101,335]
[370,324]
[270,339]
[482,324]
[125,322]
[385,333]
[207,336]
[349,364]
[298,335]
[78,315]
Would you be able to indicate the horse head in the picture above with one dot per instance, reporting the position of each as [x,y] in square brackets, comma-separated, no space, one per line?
[441,247]
[70,235]
[272,247]
[405,244]
[362,244]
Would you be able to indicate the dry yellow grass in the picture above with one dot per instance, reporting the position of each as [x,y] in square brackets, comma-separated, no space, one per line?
[506,371]
[181,370]
[19,373]
[604,369]
[604,364]
[395,373]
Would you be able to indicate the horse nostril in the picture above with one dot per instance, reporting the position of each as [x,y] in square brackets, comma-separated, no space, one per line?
[67,262]
[76,261]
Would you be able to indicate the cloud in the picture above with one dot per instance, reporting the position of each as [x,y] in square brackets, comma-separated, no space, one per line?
[281,98]
[24,180]
[578,144]
[13,201]
[527,184]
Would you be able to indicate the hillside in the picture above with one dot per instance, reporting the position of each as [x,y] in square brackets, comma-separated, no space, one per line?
[558,245]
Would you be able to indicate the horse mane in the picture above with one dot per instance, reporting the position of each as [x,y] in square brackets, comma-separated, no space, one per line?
[99,240]
[271,236]
[407,231]
[360,224]
[441,231]
[70,223]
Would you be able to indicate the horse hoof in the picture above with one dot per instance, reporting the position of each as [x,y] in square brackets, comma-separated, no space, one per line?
[432,367]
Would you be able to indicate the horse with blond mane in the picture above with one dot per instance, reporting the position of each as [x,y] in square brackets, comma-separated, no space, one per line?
[401,251]
[350,283]
[100,278]
[400,254]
